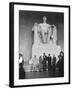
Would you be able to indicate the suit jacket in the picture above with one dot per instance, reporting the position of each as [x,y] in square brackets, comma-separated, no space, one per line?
[44,59]
[49,59]
[54,60]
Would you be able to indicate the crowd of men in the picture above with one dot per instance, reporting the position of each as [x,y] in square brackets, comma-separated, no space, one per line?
[45,63]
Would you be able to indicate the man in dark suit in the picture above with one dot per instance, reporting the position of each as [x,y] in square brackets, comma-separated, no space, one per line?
[44,62]
[60,63]
[21,69]
[54,63]
[49,62]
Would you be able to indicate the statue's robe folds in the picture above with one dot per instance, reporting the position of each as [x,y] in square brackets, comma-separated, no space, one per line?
[54,35]
[36,36]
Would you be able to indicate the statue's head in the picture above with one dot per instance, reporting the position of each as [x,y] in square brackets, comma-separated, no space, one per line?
[44,19]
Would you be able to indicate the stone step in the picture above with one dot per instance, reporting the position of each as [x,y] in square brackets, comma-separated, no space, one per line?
[26,66]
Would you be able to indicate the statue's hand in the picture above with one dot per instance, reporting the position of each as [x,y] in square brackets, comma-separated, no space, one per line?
[54,26]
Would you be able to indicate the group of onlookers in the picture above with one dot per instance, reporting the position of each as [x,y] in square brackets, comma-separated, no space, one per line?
[48,62]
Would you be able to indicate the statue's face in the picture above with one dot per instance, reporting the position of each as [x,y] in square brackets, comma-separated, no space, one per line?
[44,19]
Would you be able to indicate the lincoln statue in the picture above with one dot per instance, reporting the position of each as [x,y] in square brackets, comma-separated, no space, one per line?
[44,33]
[45,38]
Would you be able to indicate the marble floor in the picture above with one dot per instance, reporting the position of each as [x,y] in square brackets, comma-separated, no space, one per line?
[42,74]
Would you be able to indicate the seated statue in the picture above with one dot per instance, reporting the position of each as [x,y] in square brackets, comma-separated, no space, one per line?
[45,37]
[44,33]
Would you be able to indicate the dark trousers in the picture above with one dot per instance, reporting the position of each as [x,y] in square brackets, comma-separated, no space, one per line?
[44,66]
[49,66]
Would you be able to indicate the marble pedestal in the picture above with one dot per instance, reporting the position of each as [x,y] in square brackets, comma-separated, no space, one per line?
[38,50]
